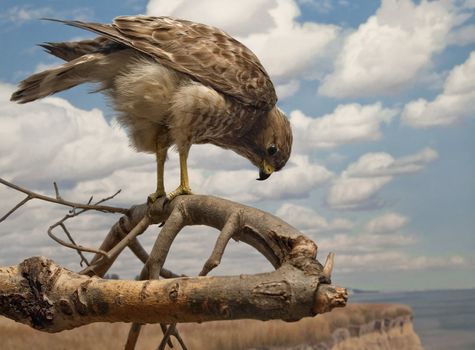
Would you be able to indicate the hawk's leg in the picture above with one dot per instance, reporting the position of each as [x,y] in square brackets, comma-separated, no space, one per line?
[161,157]
[184,187]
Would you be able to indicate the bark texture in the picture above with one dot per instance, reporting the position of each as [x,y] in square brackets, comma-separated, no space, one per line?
[50,298]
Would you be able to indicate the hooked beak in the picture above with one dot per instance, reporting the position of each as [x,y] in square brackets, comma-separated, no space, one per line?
[265,171]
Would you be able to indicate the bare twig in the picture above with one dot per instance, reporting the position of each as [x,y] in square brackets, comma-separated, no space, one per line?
[73,213]
[34,195]
[75,246]
[166,337]
[171,330]
[133,336]
[229,229]
[16,207]
[56,191]
[137,230]
[81,255]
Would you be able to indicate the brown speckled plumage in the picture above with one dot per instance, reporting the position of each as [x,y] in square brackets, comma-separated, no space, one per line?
[174,82]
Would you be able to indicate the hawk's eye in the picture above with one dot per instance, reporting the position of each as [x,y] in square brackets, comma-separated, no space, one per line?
[271,150]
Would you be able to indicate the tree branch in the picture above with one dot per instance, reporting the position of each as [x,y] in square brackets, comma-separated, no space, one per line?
[59,200]
[50,298]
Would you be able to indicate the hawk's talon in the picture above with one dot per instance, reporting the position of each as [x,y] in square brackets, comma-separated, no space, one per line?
[178,192]
[153,197]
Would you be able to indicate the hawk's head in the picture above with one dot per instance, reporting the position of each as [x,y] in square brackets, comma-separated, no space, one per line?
[274,143]
[268,147]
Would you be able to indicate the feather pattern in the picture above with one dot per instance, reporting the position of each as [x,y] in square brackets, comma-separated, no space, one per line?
[174,82]
[204,53]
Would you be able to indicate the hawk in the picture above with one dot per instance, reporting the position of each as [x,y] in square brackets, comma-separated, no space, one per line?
[174,83]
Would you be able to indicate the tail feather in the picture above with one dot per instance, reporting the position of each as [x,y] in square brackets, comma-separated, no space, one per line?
[75,72]
[104,30]
[69,51]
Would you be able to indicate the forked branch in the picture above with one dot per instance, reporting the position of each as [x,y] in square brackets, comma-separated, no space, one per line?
[50,298]
[58,200]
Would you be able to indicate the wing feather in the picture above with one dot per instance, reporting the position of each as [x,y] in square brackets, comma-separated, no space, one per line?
[205,53]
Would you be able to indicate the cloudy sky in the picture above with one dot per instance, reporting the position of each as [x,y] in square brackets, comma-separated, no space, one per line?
[380,96]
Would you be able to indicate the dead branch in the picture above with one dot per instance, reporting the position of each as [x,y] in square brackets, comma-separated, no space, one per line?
[300,287]
[58,200]
[50,298]
[72,214]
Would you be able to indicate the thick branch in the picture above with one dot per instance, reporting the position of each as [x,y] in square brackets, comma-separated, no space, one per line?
[271,236]
[50,298]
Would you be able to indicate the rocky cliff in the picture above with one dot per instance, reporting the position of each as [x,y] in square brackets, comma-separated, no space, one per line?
[383,334]
[388,330]
[355,327]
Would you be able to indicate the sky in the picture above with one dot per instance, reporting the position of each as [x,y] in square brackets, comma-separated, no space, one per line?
[380,99]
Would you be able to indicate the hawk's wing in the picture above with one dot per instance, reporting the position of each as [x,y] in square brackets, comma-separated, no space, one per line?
[205,53]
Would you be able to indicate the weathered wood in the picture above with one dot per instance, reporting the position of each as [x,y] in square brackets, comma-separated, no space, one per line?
[51,298]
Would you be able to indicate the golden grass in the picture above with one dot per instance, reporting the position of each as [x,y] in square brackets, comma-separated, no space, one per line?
[229,335]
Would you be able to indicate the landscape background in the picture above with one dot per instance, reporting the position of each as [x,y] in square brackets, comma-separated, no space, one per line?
[380,97]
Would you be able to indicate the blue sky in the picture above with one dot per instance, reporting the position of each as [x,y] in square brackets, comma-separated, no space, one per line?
[379,95]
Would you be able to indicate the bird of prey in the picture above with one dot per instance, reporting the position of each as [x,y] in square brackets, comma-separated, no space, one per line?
[174,83]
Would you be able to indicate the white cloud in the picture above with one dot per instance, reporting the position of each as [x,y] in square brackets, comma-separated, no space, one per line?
[357,187]
[388,52]
[383,164]
[210,157]
[287,89]
[343,243]
[237,17]
[59,141]
[307,219]
[356,193]
[288,49]
[395,261]
[387,223]
[19,15]
[291,49]
[462,36]
[350,123]
[453,105]
[322,6]
[296,180]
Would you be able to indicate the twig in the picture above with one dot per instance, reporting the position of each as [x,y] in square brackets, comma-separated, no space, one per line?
[73,246]
[56,191]
[231,226]
[140,253]
[166,338]
[34,195]
[16,207]
[81,255]
[137,230]
[133,336]
[73,213]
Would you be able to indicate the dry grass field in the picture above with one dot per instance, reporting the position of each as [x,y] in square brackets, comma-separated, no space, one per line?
[231,335]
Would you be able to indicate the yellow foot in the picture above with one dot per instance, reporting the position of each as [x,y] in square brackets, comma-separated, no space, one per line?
[178,192]
[152,198]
